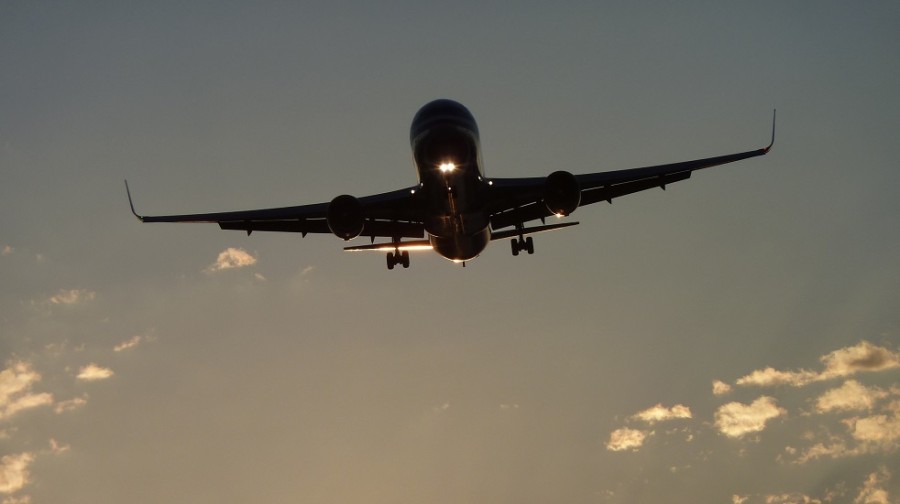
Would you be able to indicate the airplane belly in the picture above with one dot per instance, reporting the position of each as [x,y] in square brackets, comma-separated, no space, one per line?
[461,247]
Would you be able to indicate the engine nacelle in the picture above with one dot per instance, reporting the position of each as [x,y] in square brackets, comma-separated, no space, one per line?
[561,193]
[345,218]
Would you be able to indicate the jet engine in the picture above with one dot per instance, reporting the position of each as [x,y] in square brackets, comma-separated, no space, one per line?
[345,218]
[561,193]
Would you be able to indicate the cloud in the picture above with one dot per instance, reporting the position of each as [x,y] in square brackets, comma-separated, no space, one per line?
[850,396]
[6,250]
[737,420]
[231,258]
[58,448]
[660,413]
[872,491]
[15,390]
[791,498]
[72,296]
[769,377]
[14,472]
[878,431]
[720,388]
[93,372]
[69,405]
[131,343]
[17,499]
[863,356]
[626,439]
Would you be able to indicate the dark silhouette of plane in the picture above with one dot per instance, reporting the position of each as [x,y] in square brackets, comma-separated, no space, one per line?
[454,204]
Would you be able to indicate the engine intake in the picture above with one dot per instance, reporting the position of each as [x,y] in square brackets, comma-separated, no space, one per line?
[345,218]
[562,195]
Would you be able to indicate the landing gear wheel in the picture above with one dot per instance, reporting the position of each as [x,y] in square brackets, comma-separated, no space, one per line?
[404,258]
[390,260]
[515,246]
[529,245]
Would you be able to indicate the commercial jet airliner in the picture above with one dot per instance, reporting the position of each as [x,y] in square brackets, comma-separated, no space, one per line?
[455,209]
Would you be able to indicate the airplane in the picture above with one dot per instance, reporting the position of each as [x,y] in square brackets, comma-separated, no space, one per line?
[454,209]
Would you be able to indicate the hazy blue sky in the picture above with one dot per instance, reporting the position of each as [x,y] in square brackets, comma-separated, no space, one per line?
[734,339]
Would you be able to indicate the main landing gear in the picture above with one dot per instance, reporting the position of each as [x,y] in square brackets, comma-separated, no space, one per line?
[398,257]
[522,243]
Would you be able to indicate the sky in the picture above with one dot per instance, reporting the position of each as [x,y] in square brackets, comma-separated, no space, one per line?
[734,339]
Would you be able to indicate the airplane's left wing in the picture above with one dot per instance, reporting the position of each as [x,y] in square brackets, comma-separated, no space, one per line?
[393,214]
[518,200]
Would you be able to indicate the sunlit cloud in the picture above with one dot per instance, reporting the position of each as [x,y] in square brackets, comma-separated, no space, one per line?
[873,491]
[626,439]
[848,397]
[862,357]
[130,343]
[231,258]
[14,472]
[69,404]
[720,388]
[770,377]
[660,413]
[16,382]
[840,363]
[791,498]
[17,499]
[93,372]
[881,431]
[6,250]
[58,448]
[72,296]
[737,420]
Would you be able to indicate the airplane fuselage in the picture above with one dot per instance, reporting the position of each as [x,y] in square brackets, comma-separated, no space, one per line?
[447,156]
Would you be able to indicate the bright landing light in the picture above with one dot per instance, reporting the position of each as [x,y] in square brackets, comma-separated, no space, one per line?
[446,167]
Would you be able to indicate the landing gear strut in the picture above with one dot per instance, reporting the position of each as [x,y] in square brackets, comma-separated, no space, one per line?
[522,243]
[398,257]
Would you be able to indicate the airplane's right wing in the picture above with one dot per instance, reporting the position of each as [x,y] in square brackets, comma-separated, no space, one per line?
[393,214]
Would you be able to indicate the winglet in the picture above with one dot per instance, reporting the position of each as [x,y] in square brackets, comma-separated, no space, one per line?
[766,150]
[131,203]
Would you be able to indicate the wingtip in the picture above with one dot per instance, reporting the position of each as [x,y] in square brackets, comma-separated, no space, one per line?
[131,203]
[768,147]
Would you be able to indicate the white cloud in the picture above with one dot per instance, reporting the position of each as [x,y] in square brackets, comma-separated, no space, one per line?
[626,439]
[737,420]
[131,343]
[769,377]
[791,498]
[660,413]
[15,390]
[14,472]
[863,356]
[72,296]
[872,491]
[231,258]
[93,372]
[850,396]
[879,431]
[720,387]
